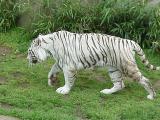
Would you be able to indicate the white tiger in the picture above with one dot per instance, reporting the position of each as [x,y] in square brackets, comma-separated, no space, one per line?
[73,51]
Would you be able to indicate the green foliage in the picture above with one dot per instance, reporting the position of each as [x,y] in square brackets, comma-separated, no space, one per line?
[68,15]
[137,20]
[7,14]
[10,11]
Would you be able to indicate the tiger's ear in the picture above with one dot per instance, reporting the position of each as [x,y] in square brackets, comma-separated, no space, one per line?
[42,39]
[37,42]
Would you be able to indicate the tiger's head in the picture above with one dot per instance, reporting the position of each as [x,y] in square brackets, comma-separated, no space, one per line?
[38,51]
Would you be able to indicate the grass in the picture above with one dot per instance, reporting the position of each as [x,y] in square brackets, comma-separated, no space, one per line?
[26,95]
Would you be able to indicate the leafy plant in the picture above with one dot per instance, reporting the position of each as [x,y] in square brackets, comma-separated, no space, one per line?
[7,14]
[130,19]
[156,47]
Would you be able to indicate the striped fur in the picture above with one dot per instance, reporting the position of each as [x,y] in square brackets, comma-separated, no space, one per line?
[73,51]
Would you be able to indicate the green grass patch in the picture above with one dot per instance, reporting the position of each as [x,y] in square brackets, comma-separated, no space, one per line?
[16,39]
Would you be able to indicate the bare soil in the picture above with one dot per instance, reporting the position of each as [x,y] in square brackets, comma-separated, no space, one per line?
[2,117]
[3,80]
[17,74]
[79,114]
[4,50]
[157,84]
[6,106]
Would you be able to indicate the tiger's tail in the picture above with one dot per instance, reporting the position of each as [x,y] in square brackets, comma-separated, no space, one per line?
[143,58]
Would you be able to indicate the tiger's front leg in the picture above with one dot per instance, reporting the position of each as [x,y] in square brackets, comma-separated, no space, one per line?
[69,77]
[52,75]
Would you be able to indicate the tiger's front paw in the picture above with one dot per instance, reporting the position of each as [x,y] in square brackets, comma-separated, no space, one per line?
[151,97]
[52,80]
[63,90]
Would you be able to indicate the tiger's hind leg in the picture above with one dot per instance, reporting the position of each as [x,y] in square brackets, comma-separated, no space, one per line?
[117,79]
[134,73]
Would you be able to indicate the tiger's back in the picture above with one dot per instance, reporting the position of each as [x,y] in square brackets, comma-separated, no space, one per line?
[87,50]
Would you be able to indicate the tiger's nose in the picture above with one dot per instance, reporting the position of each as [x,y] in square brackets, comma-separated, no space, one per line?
[34,61]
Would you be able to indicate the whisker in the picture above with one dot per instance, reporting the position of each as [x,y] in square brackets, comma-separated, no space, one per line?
[30,63]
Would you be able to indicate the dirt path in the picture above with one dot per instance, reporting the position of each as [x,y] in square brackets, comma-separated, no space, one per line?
[4,50]
[3,80]
[157,84]
[2,117]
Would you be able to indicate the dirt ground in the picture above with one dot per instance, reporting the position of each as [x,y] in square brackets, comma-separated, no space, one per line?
[4,50]
[2,117]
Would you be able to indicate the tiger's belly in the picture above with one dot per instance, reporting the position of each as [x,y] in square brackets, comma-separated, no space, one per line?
[98,64]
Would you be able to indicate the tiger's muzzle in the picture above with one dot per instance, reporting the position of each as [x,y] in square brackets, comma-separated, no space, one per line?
[34,61]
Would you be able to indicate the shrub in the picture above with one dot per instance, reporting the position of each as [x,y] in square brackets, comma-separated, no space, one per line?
[7,14]
[68,15]
[137,20]
[130,19]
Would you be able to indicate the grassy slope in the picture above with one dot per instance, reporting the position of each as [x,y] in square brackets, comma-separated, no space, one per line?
[27,95]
